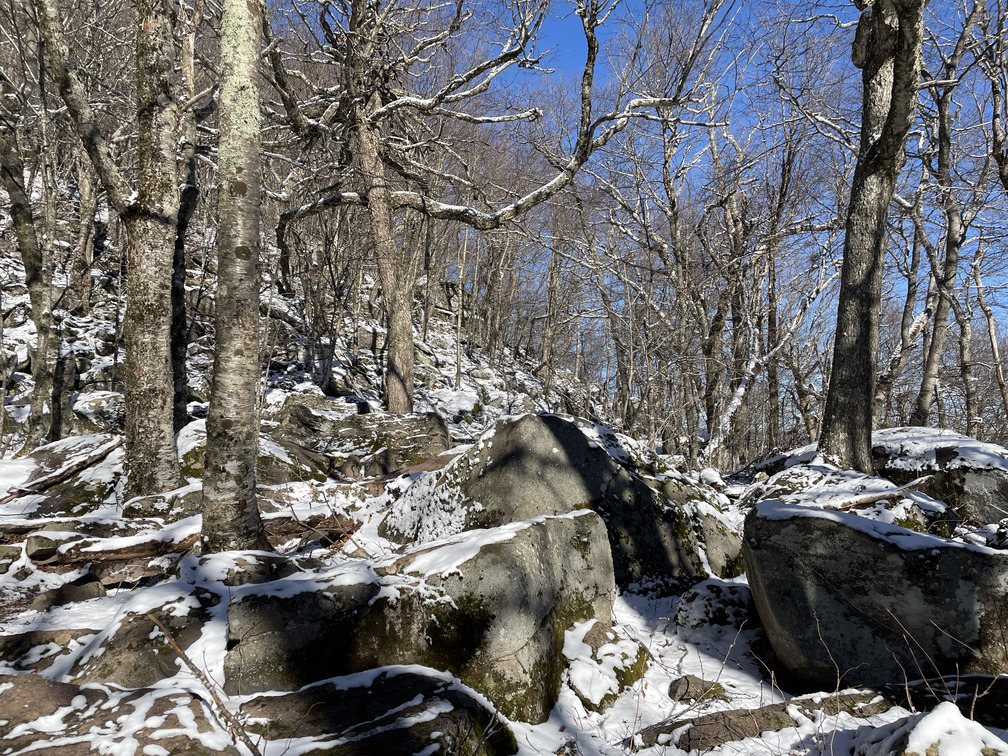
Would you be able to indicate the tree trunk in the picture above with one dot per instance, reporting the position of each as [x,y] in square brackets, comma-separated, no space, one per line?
[910,329]
[888,48]
[84,255]
[151,456]
[991,333]
[187,206]
[396,275]
[150,218]
[955,232]
[231,517]
[38,266]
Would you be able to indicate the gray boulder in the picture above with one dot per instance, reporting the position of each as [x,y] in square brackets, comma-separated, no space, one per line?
[100,411]
[393,712]
[361,445]
[969,475]
[280,460]
[709,731]
[490,607]
[841,596]
[545,465]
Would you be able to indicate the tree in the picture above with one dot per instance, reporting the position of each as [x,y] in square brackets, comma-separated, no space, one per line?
[887,48]
[37,258]
[151,217]
[410,76]
[231,517]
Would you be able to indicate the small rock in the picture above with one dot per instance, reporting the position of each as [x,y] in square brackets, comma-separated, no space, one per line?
[82,589]
[692,688]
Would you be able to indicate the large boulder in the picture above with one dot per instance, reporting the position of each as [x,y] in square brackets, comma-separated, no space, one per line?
[72,477]
[280,460]
[969,475]
[366,445]
[540,465]
[490,607]
[841,596]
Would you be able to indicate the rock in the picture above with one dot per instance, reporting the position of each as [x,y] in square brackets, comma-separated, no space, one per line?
[392,712]
[36,650]
[40,547]
[280,460]
[604,666]
[387,442]
[944,730]
[133,653]
[692,688]
[721,542]
[545,465]
[17,315]
[714,730]
[64,491]
[73,720]
[168,507]
[100,411]
[83,588]
[969,475]
[491,608]
[721,545]
[873,603]
[982,698]
[9,553]
[715,603]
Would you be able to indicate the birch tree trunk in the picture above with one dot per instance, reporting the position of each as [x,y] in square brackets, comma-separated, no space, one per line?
[231,517]
[887,47]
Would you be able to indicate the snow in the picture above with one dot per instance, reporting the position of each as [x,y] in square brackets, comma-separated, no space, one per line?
[913,448]
[945,727]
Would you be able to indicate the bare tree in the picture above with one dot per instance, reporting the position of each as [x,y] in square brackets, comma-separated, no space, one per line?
[887,48]
[151,217]
[231,517]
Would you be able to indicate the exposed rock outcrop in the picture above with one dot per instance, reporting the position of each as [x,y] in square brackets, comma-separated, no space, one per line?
[969,475]
[392,712]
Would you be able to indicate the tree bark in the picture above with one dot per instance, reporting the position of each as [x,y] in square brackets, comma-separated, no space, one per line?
[150,219]
[151,456]
[396,274]
[38,265]
[231,517]
[888,48]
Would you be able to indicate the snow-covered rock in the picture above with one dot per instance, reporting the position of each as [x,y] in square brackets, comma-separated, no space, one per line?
[545,465]
[489,606]
[942,732]
[969,475]
[844,597]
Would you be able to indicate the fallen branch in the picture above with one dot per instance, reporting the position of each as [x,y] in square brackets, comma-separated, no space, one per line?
[47,482]
[914,485]
[236,727]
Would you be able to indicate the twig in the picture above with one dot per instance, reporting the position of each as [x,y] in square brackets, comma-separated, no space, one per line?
[913,485]
[59,476]
[237,730]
